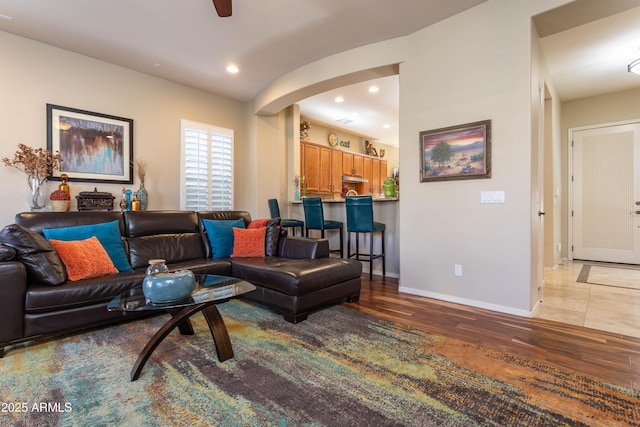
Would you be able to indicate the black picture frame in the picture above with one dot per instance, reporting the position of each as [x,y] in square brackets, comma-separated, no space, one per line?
[94,147]
[456,152]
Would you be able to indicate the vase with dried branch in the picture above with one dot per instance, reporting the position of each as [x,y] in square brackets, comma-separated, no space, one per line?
[142,194]
[38,164]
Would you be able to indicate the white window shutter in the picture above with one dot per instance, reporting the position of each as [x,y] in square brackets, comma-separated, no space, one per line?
[207,167]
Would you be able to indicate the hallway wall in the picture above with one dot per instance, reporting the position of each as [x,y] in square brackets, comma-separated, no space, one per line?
[608,108]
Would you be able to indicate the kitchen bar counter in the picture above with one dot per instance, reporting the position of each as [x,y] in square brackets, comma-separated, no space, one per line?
[375,200]
[384,210]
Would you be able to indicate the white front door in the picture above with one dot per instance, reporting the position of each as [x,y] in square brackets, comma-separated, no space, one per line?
[606,194]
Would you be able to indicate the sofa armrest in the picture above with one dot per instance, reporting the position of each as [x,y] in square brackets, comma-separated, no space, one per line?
[303,248]
[13,289]
[6,253]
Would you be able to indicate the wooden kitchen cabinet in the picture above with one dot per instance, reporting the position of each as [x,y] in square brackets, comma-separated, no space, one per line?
[352,164]
[325,182]
[336,171]
[375,170]
[358,165]
[367,173]
[322,168]
[374,181]
[311,169]
[384,173]
[347,163]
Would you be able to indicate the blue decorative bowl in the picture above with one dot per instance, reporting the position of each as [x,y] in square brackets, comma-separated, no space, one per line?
[168,287]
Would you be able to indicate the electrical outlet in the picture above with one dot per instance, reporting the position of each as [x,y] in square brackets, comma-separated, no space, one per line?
[559,247]
[457,270]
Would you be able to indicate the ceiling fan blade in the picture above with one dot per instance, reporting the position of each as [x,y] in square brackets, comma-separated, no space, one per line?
[223,7]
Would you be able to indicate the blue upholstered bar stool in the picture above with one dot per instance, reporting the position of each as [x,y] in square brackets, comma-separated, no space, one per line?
[314,219]
[360,220]
[274,208]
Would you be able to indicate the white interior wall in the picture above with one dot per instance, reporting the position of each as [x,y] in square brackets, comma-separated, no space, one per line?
[34,74]
[270,160]
[608,108]
[443,223]
[554,195]
[537,171]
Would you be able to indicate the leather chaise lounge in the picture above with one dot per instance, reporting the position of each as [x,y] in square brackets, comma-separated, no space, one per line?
[295,277]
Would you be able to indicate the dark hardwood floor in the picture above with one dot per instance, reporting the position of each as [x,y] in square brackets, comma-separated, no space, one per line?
[611,357]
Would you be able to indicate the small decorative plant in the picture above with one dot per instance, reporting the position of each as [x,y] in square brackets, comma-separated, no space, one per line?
[60,201]
[305,126]
[59,195]
[303,186]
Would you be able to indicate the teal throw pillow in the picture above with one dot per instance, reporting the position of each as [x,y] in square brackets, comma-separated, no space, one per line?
[108,233]
[220,233]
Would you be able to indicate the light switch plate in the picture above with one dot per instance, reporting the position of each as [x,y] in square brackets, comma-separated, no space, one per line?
[492,197]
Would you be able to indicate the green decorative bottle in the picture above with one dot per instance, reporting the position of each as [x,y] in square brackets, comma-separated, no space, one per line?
[389,188]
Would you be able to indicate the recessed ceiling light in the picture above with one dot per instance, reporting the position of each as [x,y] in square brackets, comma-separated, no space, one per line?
[354,114]
[339,99]
[386,126]
[156,65]
[374,89]
[233,69]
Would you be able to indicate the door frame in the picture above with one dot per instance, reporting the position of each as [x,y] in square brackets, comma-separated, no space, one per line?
[570,170]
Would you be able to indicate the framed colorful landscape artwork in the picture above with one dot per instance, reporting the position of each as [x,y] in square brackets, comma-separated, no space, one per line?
[456,152]
[93,147]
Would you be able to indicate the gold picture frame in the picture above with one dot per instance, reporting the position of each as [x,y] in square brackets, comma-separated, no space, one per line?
[456,152]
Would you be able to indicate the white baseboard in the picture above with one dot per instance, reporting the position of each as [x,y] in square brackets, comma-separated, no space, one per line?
[469,302]
[376,272]
[379,273]
[535,308]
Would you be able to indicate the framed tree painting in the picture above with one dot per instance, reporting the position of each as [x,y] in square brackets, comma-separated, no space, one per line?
[456,152]
[94,147]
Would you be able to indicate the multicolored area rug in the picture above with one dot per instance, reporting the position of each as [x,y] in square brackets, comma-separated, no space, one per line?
[338,368]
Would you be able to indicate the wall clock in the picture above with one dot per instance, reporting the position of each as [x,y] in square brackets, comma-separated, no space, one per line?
[333,139]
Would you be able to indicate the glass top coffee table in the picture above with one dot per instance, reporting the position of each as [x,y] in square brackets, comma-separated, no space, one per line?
[209,291]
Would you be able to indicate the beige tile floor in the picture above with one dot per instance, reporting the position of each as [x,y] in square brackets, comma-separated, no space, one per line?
[609,301]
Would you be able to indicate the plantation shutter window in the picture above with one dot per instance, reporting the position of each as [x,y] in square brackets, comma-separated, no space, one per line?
[207,167]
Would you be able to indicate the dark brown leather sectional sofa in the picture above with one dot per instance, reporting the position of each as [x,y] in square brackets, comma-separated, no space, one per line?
[298,278]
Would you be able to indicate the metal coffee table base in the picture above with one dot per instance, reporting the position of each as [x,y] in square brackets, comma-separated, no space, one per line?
[180,318]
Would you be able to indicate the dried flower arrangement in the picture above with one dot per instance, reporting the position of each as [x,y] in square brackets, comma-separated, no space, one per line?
[303,186]
[142,170]
[38,164]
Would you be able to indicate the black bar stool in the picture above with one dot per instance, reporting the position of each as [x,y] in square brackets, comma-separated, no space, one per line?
[314,219]
[286,223]
[360,220]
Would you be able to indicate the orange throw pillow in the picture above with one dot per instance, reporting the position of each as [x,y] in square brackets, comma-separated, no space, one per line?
[258,223]
[248,242]
[84,259]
